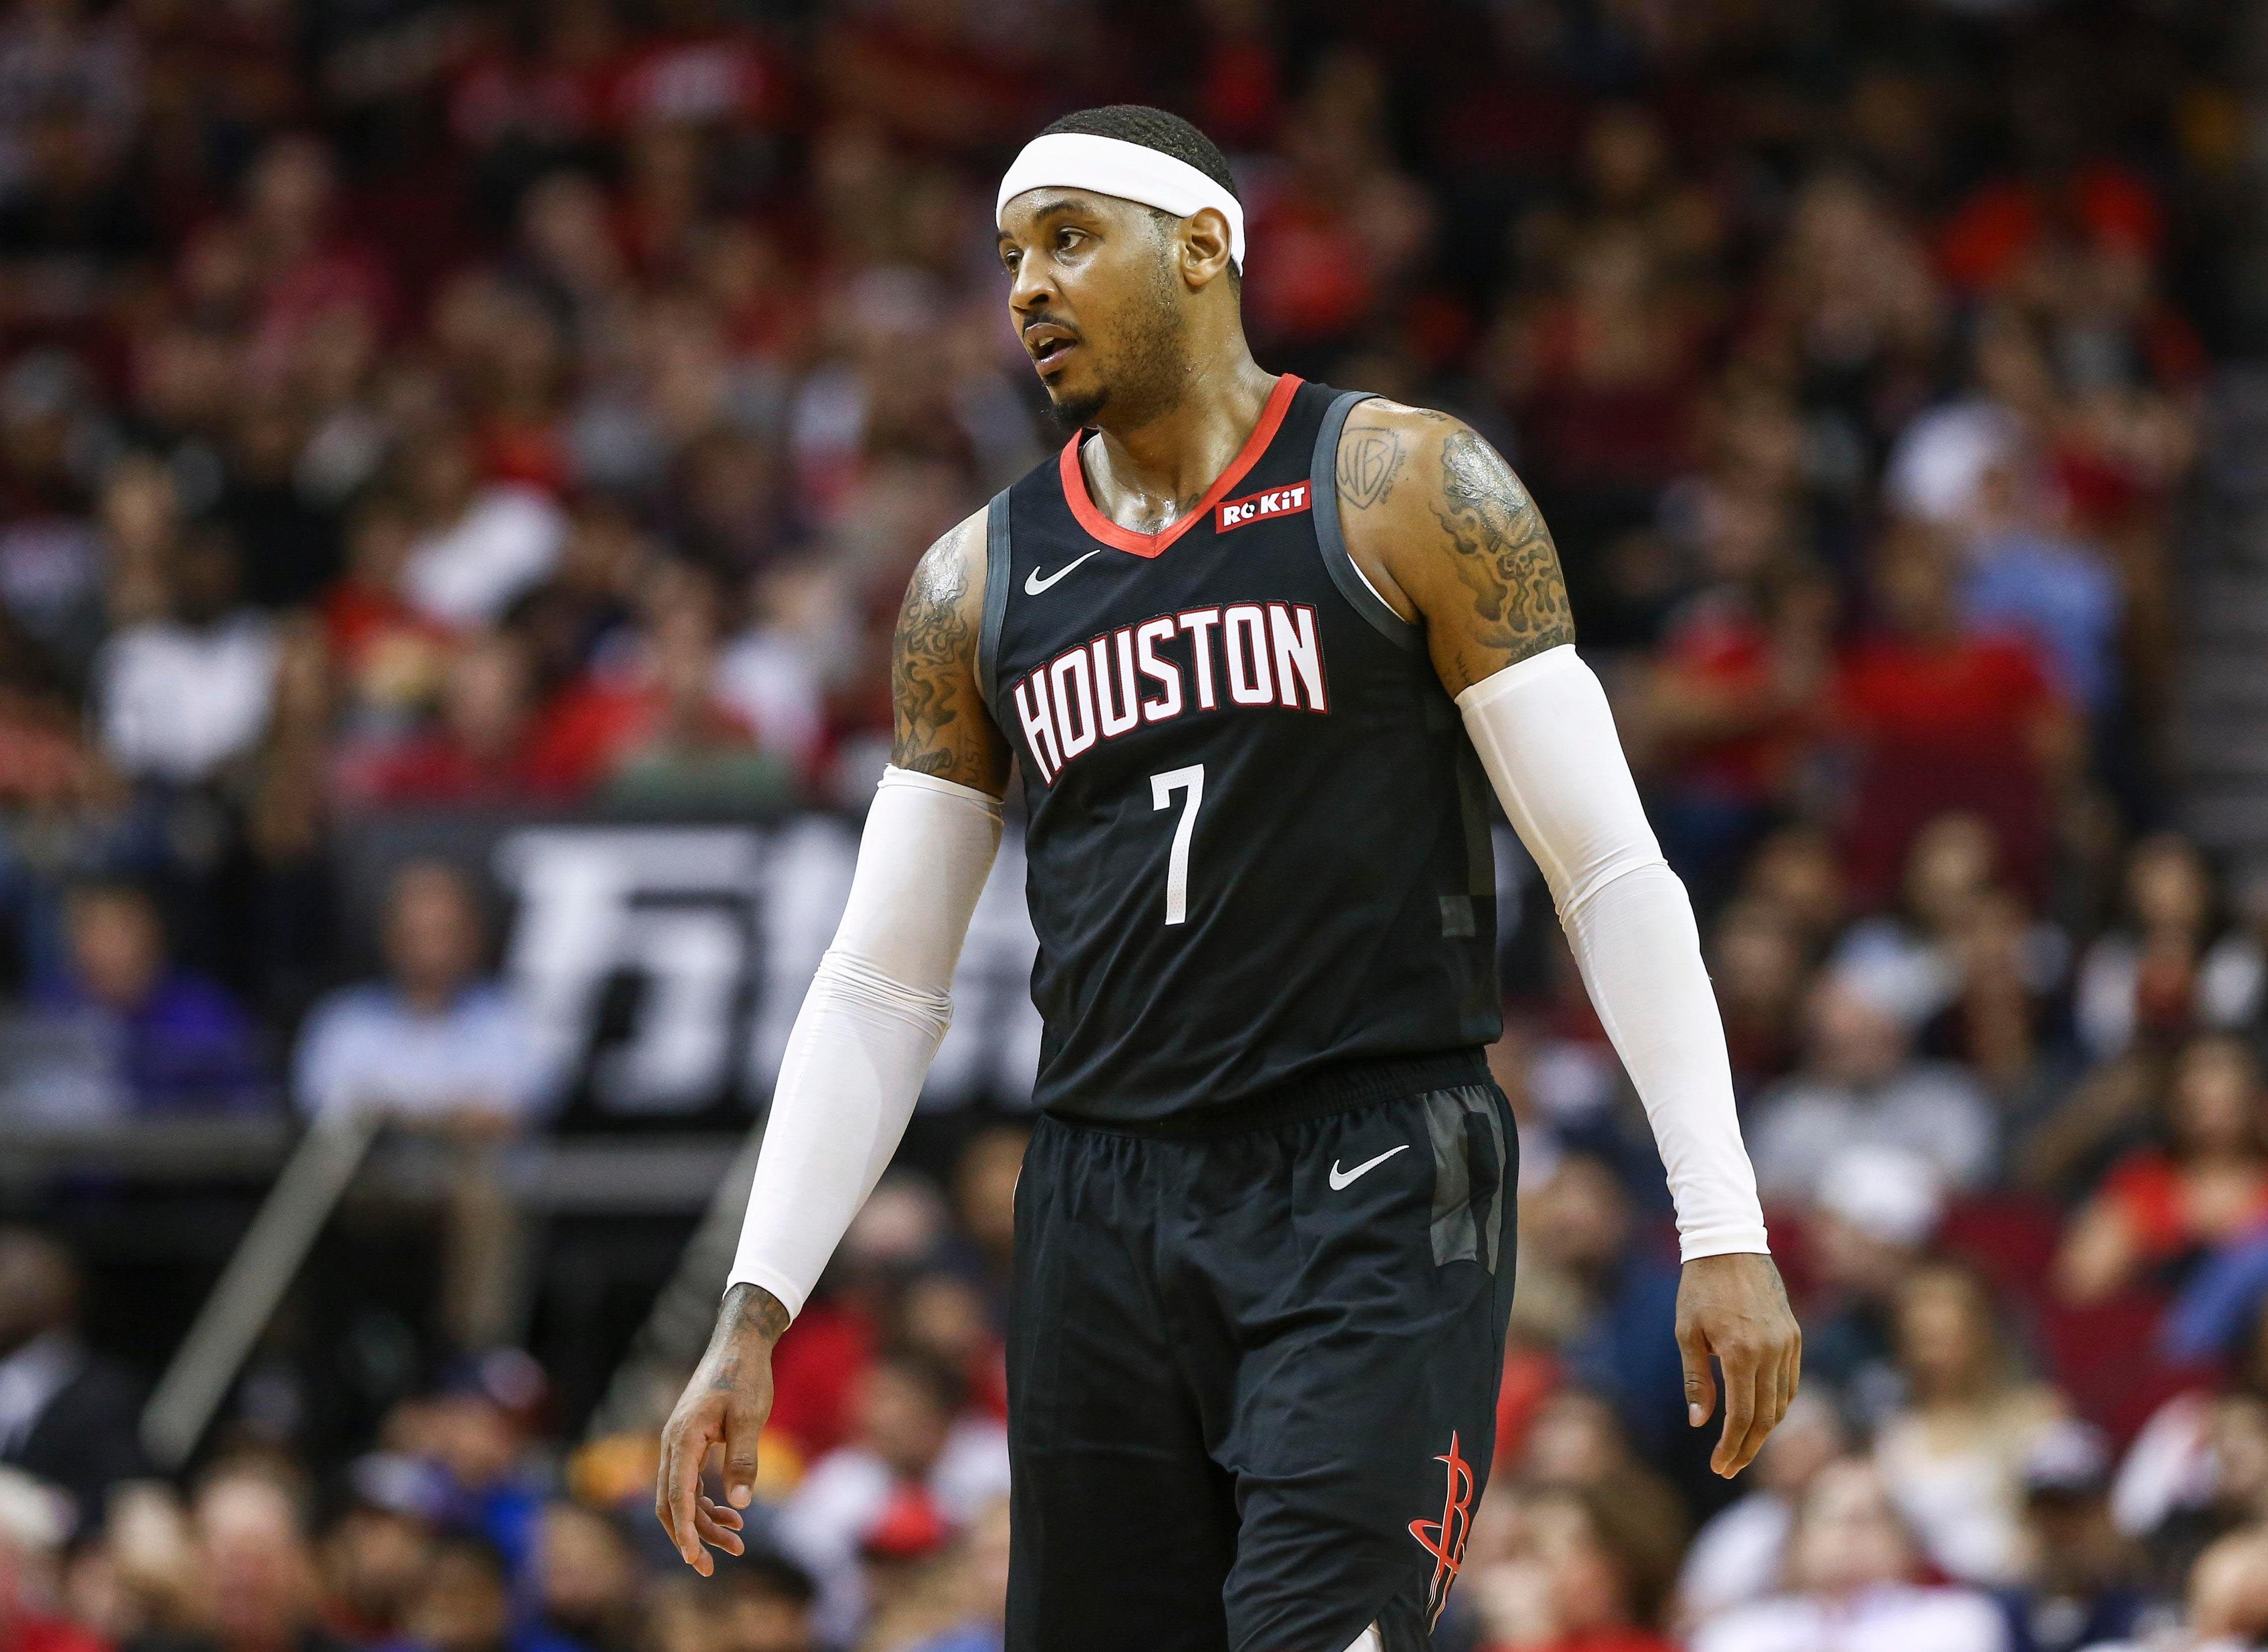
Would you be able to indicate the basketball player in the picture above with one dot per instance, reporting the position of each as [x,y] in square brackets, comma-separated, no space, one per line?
[1257,649]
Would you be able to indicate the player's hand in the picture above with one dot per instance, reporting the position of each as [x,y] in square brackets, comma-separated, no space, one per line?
[726,1403]
[1735,1308]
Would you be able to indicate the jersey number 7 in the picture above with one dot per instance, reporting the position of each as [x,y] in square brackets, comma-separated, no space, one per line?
[1162,787]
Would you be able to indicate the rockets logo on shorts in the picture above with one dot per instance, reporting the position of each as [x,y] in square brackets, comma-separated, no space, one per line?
[1244,654]
[1445,1538]
[1270,502]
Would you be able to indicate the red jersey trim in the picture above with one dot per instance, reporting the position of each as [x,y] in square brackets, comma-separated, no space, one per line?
[1109,533]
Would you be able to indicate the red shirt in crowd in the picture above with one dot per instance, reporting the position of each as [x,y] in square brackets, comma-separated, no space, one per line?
[49,1635]
[1999,227]
[598,726]
[815,1372]
[2147,1191]
[1726,652]
[1943,727]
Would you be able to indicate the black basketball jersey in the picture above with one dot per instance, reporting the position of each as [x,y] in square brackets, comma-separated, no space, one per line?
[1257,841]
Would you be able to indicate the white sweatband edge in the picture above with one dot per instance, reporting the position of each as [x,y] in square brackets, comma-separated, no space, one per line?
[892,775]
[1113,167]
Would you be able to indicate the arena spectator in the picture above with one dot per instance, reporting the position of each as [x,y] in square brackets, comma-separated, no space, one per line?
[256,1568]
[67,1414]
[1952,1456]
[439,1044]
[655,731]
[1577,1230]
[2083,1581]
[479,545]
[1879,1209]
[975,1590]
[126,1033]
[2174,964]
[1758,968]
[1733,708]
[1941,719]
[915,1457]
[1862,1083]
[372,1559]
[1738,1556]
[477,754]
[1565,1576]
[465,1604]
[765,1606]
[2207,1185]
[1576,1439]
[185,695]
[586,1579]
[1854,1581]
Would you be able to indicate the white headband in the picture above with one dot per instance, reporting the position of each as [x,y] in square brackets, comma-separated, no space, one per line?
[1110,165]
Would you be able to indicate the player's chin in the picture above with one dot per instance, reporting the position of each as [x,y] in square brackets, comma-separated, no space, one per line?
[1074,406]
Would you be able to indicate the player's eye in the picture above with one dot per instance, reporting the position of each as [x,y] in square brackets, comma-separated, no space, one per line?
[1067,239]
[1008,260]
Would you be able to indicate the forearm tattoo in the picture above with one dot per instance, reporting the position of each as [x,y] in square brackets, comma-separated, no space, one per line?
[749,1307]
[930,662]
[1504,555]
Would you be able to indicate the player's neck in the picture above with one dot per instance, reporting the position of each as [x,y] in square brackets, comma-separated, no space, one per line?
[1151,473]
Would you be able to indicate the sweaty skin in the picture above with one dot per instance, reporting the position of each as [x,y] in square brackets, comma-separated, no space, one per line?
[1131,319]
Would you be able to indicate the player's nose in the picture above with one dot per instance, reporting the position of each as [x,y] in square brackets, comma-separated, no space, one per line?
[1033,287]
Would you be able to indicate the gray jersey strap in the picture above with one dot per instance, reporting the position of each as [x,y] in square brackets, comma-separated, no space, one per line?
[996,595]
[1323,477]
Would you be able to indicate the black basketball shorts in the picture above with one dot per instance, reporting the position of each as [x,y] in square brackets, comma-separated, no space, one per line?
[1254,1363]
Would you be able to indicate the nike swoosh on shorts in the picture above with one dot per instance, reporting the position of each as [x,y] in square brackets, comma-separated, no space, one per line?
[1341,1178]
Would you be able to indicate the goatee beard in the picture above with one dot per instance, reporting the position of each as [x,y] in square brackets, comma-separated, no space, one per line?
[1074,413]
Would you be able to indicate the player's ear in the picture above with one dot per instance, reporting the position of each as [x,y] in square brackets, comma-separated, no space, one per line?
[1204,246]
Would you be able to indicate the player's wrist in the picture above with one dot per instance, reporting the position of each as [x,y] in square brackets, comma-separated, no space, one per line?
[751,1314]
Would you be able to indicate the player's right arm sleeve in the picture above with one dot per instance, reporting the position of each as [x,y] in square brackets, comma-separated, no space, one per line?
[1547,738]
[876,1011]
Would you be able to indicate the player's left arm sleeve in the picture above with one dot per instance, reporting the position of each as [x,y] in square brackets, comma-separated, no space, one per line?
[1545,736]
[877,1010]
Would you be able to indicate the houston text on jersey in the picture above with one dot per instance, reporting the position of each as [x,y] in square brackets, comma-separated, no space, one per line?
[1244,654]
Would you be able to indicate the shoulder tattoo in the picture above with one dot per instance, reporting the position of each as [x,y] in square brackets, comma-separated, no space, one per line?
[1369,461]
[930,660]
[1504,555]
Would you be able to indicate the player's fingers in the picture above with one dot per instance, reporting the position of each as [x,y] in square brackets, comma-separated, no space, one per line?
[664,1477]
[1794,1379]
[1700,1387]
[1771,1403]
[742,1426]
[1739,1367]
[686,1452]
[722,1514]
[710,1529]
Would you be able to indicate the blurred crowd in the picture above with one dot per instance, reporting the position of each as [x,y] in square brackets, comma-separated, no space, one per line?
[538,405]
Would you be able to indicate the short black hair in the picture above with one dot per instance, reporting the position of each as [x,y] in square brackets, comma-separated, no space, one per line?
[1152,129]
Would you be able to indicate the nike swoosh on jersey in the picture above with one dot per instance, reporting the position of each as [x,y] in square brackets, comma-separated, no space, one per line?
[1034,584]
[1341,1178]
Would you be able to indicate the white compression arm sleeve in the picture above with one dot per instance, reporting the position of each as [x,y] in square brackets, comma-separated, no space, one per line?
[876,1011]
[1548,740]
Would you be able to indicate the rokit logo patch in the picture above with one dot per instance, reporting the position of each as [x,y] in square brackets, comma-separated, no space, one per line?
[1270,502]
